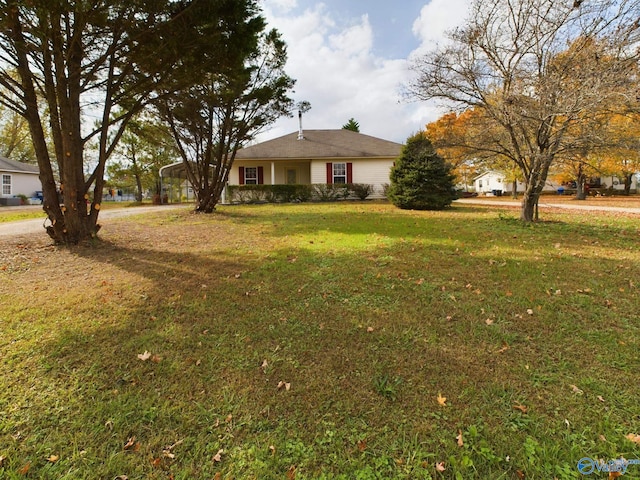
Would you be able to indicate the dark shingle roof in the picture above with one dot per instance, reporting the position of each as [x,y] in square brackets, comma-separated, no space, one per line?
[7,165]
[321,144]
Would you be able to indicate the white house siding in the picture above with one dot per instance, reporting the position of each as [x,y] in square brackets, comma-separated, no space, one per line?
[617,183]
[371,171]
[22,184]
[490,181]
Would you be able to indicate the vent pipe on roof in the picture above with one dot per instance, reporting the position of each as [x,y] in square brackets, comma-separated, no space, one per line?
[300,134]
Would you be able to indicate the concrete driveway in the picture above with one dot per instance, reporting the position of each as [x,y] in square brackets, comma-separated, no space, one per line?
[28,227]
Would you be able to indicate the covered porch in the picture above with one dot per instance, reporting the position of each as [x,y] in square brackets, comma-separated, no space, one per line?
[274,172]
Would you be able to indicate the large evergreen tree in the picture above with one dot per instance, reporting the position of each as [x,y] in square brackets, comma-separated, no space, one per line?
[109,59]
[420,178]
[242,89]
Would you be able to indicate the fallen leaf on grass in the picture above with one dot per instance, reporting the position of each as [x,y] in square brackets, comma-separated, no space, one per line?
[520,474]
[505,347]
[24,470]
[614,475]
[132,445]
[291,473]
[264,366]
[273,450]
[53,458]
[217,476]
[167,452]
[529,311]
[521,408]
[156,358]
[440,467]
[121,477]
[369,329]
[442,401]
[218,456]
[459,439]
[144,356]
[633,438]
[488,321]
[601,398]
[576,390]
[2,459]
[285,385]
[362,445]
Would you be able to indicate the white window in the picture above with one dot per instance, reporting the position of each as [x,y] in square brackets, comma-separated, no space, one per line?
[480,183]
[251,175]
[339,173]
[6,184]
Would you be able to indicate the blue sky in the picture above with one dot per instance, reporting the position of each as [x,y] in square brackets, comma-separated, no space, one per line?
[350,59]
[392,26]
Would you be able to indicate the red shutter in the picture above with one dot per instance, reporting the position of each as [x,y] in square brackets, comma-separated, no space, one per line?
[241,173]
[329,173]
[349,172]
[260,176]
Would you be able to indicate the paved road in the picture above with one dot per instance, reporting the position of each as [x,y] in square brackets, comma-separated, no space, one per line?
[516,203]
[26,227]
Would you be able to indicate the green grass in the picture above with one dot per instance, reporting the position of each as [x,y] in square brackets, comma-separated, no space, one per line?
[368,312]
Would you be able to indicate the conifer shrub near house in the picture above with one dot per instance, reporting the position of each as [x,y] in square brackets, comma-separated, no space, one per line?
[420,178]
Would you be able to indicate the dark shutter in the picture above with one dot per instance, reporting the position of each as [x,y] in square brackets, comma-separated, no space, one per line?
[329,173]
[349,172]
[260,176]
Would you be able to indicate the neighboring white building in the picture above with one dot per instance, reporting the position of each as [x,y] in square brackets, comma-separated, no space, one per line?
[493,181]
[17,178]
[618,184]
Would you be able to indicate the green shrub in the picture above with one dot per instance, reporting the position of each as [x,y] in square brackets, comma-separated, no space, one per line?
[361,190]
[330,192]
[269,193]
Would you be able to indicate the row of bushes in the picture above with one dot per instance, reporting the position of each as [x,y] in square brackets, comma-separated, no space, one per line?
[298,193]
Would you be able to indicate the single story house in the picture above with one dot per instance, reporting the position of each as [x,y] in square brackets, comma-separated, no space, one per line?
[18,179]
[311,157]
[317,157]
[493,181]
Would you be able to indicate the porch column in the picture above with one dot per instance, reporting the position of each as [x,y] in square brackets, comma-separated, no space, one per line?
[273,173]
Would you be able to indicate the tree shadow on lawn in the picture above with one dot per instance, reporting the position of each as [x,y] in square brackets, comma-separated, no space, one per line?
[310,320]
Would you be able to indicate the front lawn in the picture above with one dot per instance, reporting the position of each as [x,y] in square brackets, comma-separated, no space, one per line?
[323,341]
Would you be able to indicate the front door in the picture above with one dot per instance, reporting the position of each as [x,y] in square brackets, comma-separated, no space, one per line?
[291,176]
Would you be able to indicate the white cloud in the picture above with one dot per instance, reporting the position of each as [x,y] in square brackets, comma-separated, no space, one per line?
[336,70]
[284,5]
[436,19]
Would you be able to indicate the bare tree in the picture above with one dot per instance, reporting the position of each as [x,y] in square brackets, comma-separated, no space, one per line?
[534,68]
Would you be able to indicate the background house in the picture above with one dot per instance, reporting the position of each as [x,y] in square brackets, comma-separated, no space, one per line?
[491,181]
[18,179]
[317,157]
